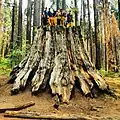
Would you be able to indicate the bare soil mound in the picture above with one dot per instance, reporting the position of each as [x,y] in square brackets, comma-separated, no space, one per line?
[103,107]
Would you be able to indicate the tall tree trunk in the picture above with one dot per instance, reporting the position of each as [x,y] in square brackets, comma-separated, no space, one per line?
[19,40]
[116,39]
[89,31]
[105,8]
[84,15]
[57,4]
[76,12]
[43,5]
[97,41]
[29,16]
[63,4]
[102,40]
[13,26]
[119,12]
[1,32]
[81,14]
[0,10]
[36,17]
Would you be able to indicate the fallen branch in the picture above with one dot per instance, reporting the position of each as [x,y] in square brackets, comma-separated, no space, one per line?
[17,108]
[35,115]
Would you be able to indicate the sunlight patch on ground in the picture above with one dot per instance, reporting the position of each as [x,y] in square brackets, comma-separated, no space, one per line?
[114,84]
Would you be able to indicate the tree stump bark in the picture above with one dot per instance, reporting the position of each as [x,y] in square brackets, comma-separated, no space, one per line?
[58,60]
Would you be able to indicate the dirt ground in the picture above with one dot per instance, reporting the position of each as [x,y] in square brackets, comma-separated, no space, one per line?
[104,107]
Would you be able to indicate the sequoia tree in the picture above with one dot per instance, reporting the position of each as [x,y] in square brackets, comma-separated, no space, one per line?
[59,61]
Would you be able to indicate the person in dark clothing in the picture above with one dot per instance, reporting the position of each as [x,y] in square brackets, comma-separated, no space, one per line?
[50,14]
[44,20]
[54,13]
[45,13]
[69,19]
[45,17]
[50,17]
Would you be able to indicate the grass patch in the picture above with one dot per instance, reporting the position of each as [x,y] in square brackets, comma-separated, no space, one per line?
[109,74]
[5,67]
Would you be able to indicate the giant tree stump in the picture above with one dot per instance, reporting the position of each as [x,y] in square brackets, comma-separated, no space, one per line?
[61,62]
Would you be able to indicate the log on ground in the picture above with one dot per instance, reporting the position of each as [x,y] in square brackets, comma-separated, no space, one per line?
[35,115]
[18,107]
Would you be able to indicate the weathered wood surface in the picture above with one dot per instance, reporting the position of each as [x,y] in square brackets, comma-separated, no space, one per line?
[58,61]
[16,108]
[35,115]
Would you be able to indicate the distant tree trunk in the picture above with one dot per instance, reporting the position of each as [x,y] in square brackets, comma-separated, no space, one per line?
[116,41]
[43,5]
[81,13]
[119,12]
[19,40]
[13,26]
[0,6]
[89,30]
[97,41]
[36,17]
[102,40]
[15,23]
[84,16]
[105,8]
[0,10]
[0,25]
[63,4]
[58,4]
[76,12]
[29,16]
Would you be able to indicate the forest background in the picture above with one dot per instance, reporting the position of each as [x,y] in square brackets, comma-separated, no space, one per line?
[99,21]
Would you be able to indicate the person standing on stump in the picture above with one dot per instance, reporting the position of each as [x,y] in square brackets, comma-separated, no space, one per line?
[54,18]
[45,17]
[58,17]
[69,19]
[50,17]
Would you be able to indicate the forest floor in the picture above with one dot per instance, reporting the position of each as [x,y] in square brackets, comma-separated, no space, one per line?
[104,107]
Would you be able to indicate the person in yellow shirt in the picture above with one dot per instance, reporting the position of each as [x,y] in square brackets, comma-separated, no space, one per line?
[54,18]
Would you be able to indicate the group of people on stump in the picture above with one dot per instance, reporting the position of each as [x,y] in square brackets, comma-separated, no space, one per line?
[57,18]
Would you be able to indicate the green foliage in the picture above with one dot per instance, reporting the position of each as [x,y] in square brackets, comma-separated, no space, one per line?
[4,66]
[109,74]
[74,9]
[15,57]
